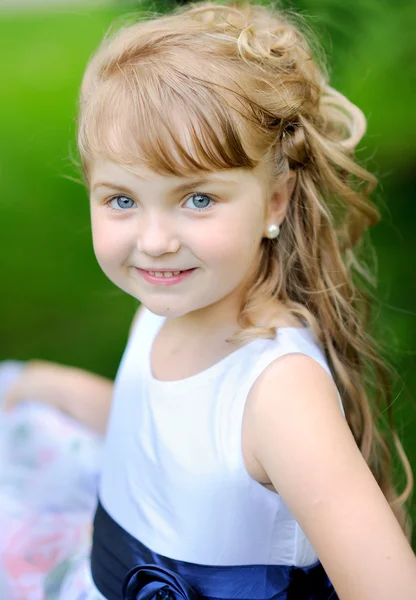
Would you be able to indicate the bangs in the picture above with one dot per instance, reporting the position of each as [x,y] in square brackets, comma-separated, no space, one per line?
[170,123]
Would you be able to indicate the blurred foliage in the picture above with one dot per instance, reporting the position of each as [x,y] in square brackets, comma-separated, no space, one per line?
[57,304]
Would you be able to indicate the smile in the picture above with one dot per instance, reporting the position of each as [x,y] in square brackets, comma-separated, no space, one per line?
[164,273]
[164,278]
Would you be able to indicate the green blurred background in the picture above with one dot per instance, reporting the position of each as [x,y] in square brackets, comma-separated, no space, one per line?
[56,304]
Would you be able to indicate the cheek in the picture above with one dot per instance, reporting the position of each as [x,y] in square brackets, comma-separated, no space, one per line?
[107,241]
[235,241]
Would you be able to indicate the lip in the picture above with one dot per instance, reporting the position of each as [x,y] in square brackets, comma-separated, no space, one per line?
[164,281]
[163,270]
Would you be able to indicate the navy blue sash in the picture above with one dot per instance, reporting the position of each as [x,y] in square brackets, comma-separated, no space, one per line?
[124,569]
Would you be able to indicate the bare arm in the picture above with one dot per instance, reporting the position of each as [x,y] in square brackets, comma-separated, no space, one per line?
[84,396]
[301,439]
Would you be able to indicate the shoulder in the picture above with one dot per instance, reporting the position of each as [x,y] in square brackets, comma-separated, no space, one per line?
[298,375]
[290,408]
[296,399]
[301,439]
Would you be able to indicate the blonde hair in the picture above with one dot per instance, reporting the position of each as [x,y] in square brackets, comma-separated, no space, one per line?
[218,86]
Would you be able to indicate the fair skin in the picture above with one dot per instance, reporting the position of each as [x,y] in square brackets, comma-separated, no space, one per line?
[211,307]
[154,226]
[83,396]
[328,488]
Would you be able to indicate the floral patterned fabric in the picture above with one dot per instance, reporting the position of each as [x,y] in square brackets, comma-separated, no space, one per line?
[49,470]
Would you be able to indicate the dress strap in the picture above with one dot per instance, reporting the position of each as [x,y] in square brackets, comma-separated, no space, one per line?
[291,340]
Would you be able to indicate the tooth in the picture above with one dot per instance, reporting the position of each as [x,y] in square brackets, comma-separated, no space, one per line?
[176,272]
[158,274]
[167,274]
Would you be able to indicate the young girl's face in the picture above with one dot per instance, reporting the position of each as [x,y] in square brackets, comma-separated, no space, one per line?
[149,222]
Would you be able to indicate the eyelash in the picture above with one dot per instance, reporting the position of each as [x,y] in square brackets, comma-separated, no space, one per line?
[120,210]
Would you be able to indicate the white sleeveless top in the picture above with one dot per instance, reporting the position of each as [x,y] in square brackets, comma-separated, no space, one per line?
[174,475]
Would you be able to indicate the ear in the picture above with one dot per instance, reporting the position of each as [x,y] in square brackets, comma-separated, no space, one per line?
[279,200]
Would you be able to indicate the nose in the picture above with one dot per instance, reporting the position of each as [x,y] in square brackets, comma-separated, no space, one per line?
[157,236]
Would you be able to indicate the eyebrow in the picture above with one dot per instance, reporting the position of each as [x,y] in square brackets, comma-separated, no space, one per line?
[191,183]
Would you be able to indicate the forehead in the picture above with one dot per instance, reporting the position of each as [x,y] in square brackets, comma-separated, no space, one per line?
[104,171]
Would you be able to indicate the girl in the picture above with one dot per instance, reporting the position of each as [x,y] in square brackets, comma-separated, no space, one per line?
[242,458]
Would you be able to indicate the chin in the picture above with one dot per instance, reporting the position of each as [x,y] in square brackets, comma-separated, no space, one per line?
[162,310]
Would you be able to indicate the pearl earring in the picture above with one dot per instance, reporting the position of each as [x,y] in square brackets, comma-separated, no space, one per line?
[273,231]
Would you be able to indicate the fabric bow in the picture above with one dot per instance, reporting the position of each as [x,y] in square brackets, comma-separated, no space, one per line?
[151,582]
[310,585]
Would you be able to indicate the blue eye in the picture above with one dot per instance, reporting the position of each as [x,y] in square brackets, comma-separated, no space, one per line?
[202,202]
[122,206]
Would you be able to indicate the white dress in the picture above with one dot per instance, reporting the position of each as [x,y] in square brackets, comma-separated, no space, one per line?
[177,509]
